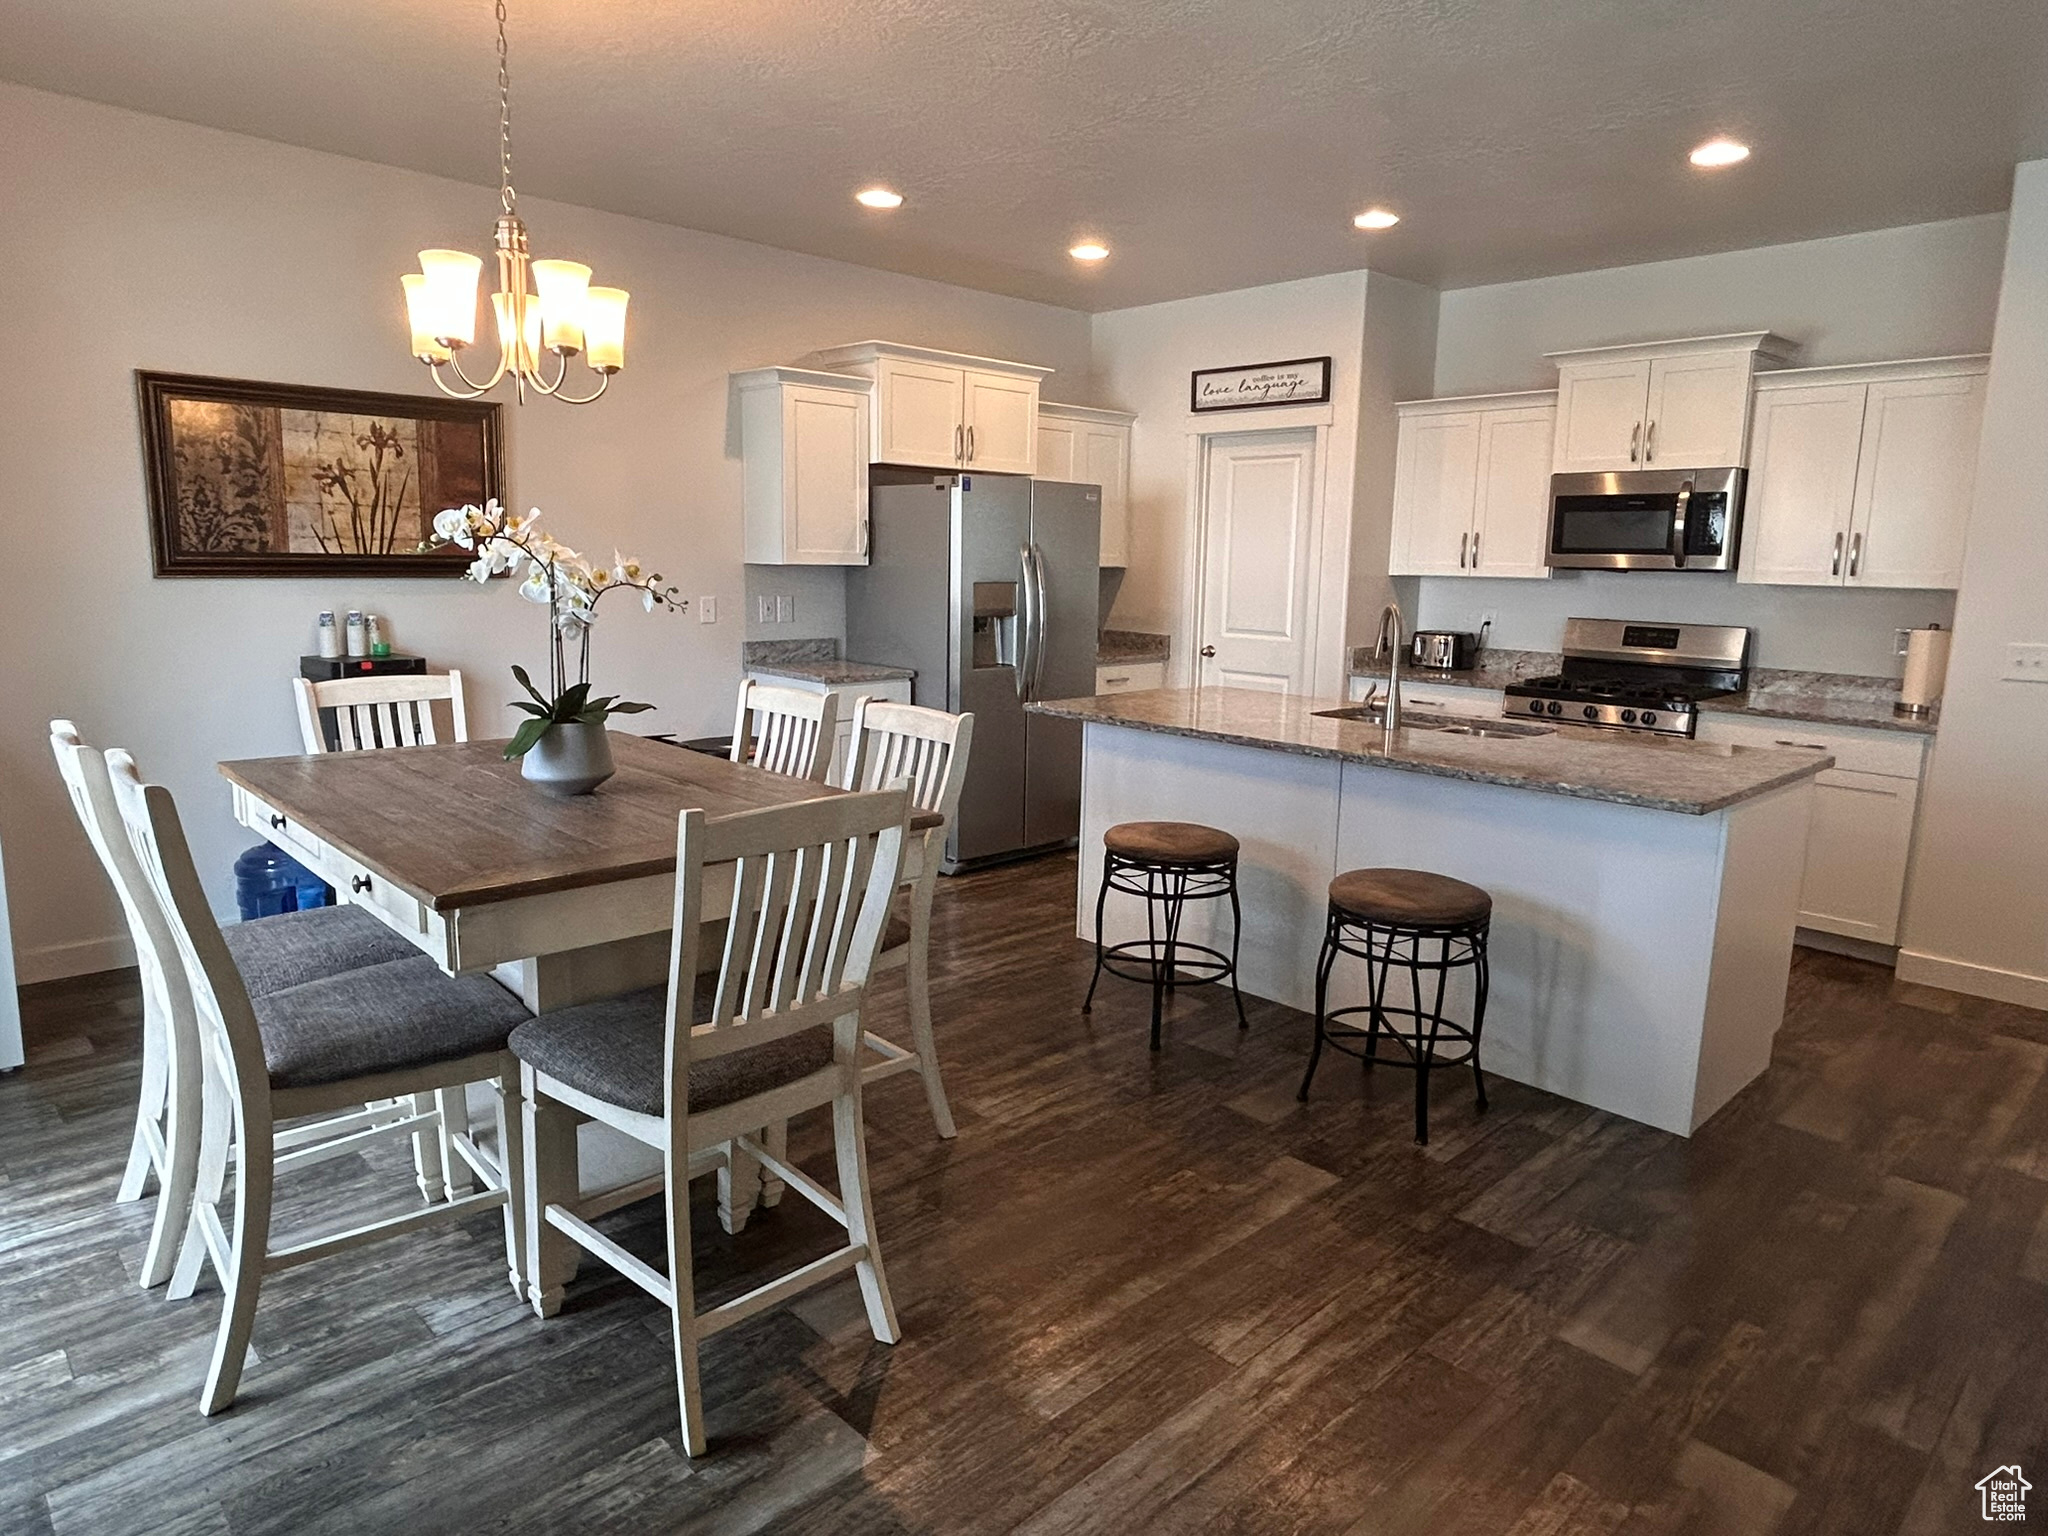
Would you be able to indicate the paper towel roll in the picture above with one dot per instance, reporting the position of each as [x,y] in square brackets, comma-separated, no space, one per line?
[1926,667]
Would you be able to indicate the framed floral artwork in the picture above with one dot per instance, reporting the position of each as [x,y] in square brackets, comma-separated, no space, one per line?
[252,479]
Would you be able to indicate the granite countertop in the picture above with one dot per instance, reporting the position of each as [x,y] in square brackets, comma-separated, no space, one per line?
[1824,698]
[1659,773]
[1128,647]
[814,661]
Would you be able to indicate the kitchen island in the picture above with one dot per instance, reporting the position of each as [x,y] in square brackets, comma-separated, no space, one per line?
[1645,890]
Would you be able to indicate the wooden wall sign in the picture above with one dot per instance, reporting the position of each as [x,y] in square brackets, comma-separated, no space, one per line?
[1298,381]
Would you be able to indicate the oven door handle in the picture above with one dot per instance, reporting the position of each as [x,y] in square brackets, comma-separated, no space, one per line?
[1678,516]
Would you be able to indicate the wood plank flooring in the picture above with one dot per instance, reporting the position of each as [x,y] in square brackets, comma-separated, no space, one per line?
[1139,1294]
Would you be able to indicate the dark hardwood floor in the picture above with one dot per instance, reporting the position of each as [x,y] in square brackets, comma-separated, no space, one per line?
[1139,1293]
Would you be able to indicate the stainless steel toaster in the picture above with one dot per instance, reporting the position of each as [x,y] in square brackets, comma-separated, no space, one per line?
[1444,650]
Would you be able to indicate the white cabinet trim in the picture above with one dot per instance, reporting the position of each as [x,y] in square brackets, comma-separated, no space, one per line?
[870,351]
[1763,343]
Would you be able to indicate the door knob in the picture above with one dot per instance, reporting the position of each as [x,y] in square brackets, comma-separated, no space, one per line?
[1208,650]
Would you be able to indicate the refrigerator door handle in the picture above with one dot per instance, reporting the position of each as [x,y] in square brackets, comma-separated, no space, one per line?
[1039,606]
[1027,625]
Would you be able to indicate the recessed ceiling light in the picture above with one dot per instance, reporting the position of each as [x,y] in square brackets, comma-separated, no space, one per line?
[1719,152]
[1376,218]
[1088,250]
[878,197]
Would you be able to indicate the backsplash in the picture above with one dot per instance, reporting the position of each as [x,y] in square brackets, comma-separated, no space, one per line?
[1804,629]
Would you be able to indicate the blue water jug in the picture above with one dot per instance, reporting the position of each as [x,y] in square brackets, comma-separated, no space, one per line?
[268,881]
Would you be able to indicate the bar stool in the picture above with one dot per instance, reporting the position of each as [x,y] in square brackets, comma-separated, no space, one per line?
[1426,924]
[1168,864]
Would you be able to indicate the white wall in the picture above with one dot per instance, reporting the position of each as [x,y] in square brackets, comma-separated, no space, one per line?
[1977,913]
[1142,360]
[1397,362]
[134,242]
[1921,291]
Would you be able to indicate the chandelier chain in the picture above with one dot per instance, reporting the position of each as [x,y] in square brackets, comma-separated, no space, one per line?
[505,194]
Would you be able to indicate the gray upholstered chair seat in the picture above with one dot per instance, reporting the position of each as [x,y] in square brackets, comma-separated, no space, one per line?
[293,948]
[611,1049]
[380,1018]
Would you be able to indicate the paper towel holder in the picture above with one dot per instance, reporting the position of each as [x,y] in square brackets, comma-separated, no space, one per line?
[1902,710]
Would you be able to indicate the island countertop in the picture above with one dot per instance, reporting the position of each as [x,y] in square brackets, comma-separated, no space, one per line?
[1691,778]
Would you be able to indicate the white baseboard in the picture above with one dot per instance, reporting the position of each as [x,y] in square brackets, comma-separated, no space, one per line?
[1977,980]
[1842,944]
[82,957]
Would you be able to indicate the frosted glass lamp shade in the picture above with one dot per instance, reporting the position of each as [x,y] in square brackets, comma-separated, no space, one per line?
[563,286]
[448,294]
[604,329]
[418,315]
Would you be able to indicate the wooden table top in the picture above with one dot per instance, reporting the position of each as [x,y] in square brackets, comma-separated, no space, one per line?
[457,826]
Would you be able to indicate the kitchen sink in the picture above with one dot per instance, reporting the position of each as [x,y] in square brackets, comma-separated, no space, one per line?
[1495,728]
[1373,714]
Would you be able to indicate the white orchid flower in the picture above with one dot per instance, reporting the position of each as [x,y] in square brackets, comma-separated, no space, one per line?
[536,587]
[626,568]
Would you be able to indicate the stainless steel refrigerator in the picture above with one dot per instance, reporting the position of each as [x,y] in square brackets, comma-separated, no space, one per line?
[987,586]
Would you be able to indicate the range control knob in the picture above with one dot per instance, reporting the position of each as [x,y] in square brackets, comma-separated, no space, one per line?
[1591,711]
[1628,717]
[1649,717]
[1556,708]
[1535,706]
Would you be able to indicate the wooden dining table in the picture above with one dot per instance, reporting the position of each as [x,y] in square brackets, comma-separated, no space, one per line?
[561,899]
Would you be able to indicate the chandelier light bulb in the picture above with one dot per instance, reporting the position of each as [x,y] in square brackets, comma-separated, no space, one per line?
[604,329]
[564,288]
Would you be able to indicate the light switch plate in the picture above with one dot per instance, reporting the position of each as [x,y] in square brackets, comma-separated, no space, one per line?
[2026,663]
[764,609]
[707,610]
[785,610]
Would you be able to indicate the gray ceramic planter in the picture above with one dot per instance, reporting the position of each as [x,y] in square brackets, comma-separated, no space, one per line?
[569,760]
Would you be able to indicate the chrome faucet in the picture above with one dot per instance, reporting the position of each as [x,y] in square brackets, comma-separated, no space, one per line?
[1390,645]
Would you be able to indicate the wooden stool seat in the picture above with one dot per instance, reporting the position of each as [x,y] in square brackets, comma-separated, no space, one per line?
[1409,898]
[1170,842]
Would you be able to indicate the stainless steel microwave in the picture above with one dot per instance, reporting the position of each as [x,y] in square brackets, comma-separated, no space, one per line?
[1646,520]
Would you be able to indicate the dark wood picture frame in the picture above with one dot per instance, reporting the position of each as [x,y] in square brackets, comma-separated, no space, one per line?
[1197,406]
[199,529]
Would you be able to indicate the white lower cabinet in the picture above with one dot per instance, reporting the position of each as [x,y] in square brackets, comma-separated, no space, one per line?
[1861,835]
[1130,677]
[1472,486]
[893,690]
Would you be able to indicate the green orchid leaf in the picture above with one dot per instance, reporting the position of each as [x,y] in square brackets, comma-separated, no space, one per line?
[628,707]
[527,683]
[523,740]
[571,703]
[532,709]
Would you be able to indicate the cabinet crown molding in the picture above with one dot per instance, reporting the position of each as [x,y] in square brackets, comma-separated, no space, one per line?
[1099,413]
[765,378]
[1764,343]
[1961,366]
[1505,400]
[870,351]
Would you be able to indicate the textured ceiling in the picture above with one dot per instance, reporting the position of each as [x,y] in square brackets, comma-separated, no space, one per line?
[1213,143]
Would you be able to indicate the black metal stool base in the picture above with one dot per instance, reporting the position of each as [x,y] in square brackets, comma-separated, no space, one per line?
[1163,959]
[1386,947]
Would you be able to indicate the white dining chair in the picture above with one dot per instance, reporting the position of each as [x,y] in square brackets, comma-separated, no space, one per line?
[271,953]
[391,1031]
[692,1070]
[785,730]
[929,747]
[389,710]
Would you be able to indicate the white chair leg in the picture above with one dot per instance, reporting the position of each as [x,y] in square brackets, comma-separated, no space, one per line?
[248,1244]
[216,1121]
[512,1162]
[426,1153]
[452,1104]
[183,1113]
[740,1181]
[917,985]
[849,1142]
[149,1105]
[776,1139]
[683,1314]
[551,1179]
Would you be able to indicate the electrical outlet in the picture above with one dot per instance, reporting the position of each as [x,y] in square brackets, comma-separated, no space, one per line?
[1485,622]
[2026,663]
[707,610]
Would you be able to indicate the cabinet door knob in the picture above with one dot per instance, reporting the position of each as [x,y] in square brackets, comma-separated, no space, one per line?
[277,822]
[359,883]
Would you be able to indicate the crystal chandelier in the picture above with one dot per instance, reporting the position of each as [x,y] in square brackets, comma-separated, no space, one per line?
[566,316]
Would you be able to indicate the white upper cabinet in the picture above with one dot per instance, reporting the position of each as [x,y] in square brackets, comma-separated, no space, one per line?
[804,451]
[946,410]
[1862,476]
[1662,405]
[1091,446]
[1472,486]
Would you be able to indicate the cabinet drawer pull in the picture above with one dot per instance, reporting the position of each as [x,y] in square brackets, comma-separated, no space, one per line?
[1113,681]
[1810,746]
[277,821]
[359,884]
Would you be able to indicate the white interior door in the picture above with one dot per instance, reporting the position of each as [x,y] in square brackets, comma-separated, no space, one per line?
[1257,521]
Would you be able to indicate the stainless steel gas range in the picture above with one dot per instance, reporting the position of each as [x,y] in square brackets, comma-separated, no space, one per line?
[1629,675]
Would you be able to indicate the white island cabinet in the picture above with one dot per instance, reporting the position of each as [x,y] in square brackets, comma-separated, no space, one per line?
[1643,909]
